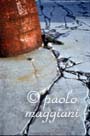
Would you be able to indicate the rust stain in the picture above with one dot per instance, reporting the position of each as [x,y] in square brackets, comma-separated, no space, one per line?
[25,77]
[19,27]
[29,76]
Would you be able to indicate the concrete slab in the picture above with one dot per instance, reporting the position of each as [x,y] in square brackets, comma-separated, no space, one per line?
[19,76]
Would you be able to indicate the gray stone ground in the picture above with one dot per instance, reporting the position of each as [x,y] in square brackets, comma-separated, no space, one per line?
[18,77]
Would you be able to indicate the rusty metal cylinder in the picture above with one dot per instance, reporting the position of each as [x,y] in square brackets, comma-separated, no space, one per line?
[19,27]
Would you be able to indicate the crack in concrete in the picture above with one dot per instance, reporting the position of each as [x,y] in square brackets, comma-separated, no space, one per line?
[68,14]
[71,15]
[60,74]
[83,77]
[46,18]
[83,9]
[43,95]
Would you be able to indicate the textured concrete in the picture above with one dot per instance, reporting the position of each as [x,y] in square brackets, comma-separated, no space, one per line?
[19,76]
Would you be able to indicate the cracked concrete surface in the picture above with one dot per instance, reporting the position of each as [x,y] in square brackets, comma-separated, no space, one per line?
[17,78]
[37,70]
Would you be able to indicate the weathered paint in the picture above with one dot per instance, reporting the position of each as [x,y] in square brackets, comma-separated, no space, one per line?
[19,27]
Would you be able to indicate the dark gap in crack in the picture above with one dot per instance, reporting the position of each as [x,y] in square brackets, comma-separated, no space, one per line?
[83,9]
[60,71]
[25,131]
[47,19]
[71,15]
[47,38]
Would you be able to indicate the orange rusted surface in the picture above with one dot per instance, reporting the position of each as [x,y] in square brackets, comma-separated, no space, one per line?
[19,27]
